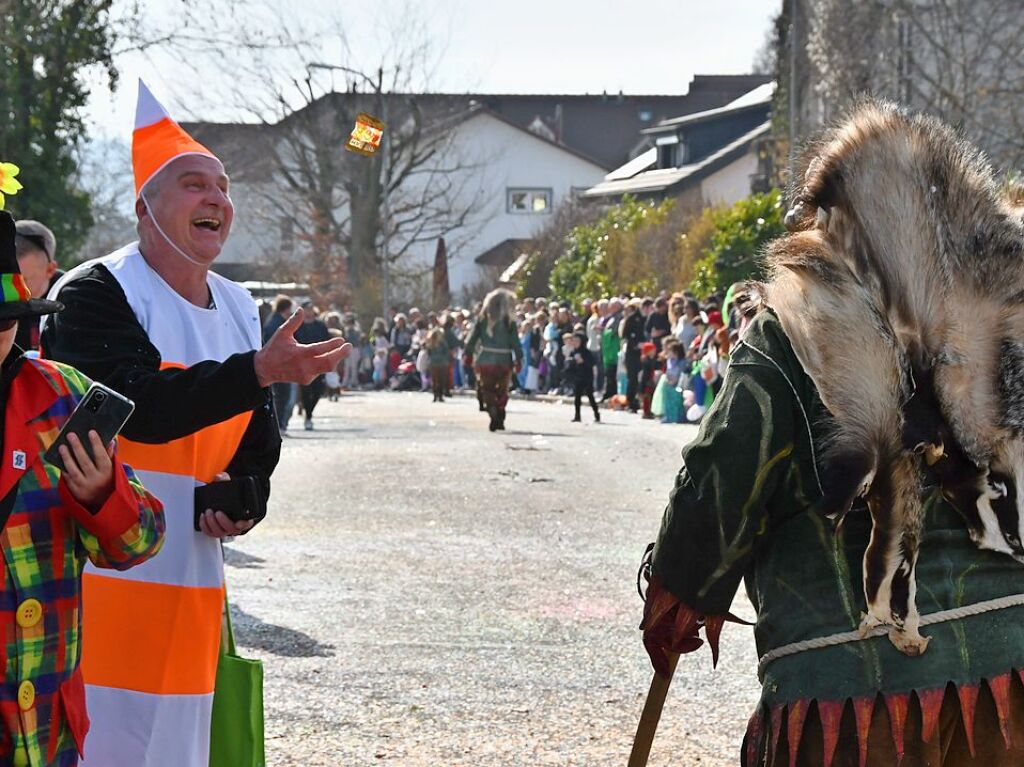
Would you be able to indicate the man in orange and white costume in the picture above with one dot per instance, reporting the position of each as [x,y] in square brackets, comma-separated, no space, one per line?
[152,321]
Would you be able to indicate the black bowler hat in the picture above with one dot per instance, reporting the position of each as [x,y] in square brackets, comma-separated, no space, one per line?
[16,300]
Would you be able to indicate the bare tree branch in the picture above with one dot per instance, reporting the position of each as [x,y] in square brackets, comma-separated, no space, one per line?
[333,200]
[962,60]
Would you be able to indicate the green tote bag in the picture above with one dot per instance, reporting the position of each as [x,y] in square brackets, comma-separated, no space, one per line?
[236,731]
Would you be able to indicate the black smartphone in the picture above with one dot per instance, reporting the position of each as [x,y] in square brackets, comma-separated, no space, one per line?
[102,410]
[238,497]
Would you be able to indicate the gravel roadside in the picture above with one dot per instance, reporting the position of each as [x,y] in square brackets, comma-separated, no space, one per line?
[425,593]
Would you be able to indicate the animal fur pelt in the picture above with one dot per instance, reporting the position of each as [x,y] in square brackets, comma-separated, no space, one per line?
[902,290]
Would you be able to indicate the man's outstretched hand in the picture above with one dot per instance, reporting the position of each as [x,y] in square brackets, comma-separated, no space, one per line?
[284,359]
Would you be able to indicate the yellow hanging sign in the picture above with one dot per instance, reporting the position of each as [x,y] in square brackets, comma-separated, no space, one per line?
[366,136]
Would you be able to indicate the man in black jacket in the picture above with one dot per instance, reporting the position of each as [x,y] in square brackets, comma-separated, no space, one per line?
[284,392]
[658,325]
[632,333]
[312,331]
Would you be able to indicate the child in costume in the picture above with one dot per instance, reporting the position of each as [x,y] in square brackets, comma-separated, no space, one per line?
[380,365]
[53,523]
[439,356]
[671,396]
[494,352]
[579,372]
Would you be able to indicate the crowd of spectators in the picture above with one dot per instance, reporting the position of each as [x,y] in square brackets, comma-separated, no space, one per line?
[662,356]
[406,351]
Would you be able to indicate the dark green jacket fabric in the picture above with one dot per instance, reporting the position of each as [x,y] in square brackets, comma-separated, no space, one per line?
[499,346]
[743,510]
[440,354]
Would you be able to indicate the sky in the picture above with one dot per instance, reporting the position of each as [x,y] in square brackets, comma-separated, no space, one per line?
[508,46]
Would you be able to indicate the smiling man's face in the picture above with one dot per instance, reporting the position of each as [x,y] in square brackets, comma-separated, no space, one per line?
[190,202]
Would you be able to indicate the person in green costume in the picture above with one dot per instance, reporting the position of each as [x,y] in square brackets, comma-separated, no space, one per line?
[494,351]
[743,508]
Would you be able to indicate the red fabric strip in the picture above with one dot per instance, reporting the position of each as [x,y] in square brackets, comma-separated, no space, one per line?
[862,710]
[755,734]
[713,630]
[777,713]
[898,706]
[831,714]
[931,703]
[1000,687]
[968,703]
[795,727]
[686,621]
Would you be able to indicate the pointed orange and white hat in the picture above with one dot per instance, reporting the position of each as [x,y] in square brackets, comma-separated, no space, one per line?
[158,140]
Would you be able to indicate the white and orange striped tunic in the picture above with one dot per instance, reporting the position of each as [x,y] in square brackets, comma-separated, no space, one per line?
[150,706]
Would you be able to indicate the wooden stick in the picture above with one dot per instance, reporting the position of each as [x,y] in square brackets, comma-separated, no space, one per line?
[651,715]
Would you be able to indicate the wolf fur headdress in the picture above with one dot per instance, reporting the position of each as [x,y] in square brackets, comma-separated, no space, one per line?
[902,291]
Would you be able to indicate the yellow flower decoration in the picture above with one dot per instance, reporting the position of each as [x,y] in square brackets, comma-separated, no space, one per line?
[8,183]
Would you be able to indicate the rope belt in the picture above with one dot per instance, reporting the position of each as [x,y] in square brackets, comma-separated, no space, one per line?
[493,350]
[1014,600]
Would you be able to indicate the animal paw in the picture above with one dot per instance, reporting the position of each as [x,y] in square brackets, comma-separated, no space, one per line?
[933,453]
[908,642]
[869,622]
[793,216]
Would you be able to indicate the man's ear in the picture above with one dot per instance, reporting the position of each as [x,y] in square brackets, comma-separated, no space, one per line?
[140,208]
[51,267]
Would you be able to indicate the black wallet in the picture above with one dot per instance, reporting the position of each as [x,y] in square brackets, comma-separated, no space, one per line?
[239,497]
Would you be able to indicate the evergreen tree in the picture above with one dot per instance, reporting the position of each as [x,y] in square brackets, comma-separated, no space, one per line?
[47,49]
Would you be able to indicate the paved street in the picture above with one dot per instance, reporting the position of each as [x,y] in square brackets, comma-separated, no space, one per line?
[426,593]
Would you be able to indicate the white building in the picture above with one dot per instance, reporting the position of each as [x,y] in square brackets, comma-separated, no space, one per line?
[523,177]
[516,158]
[707,158]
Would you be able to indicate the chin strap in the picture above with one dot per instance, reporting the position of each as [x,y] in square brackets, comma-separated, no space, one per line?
[170,242]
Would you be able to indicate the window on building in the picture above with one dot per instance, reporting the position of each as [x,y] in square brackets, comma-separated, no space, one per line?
[520,200]
[671,152]
[287,234]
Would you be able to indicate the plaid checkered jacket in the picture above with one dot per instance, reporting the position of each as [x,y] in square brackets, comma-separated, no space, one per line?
[46,542]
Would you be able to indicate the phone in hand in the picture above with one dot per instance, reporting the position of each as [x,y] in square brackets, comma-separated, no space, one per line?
[102,410]
[239,497]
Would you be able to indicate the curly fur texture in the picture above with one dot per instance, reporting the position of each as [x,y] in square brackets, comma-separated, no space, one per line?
[902,290]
